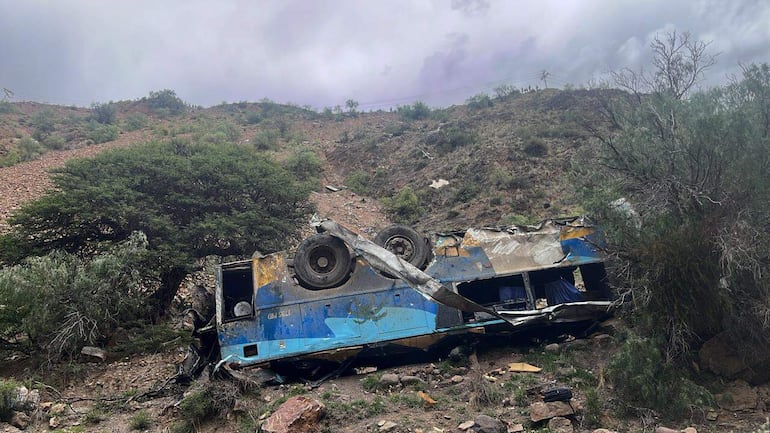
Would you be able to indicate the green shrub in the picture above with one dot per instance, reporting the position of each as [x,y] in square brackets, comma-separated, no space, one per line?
[467,192]
[417,111]
[304,164]
[165,103]
[266,139]
[100,133]
[643,379]
[372,383]
[105,114]
[7,397]
[141,420]
[60,302]
[44,123]
[404,207]
[135,121]
[55,142]
[253,117]
[450,138]
[6,107]
[506,91]
[360,182]
[535,147]
[482,100]
[29,149]
[207,401]
[188,198]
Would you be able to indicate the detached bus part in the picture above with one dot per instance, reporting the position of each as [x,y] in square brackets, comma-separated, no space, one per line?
[343,296]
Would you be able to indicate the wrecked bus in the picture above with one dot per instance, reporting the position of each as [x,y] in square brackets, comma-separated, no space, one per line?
[342,295]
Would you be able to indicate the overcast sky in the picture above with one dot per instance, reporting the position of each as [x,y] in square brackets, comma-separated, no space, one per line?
[323,52]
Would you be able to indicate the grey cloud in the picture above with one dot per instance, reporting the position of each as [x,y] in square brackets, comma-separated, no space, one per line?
[323,52]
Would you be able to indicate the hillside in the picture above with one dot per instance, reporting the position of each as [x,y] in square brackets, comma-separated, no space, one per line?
[505,160]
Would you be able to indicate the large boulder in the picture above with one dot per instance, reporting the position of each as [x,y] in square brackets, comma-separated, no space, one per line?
[738,396]
[487,424]
[299,414]
[719,356]
[539,411]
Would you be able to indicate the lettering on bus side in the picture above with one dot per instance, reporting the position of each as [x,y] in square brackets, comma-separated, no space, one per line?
[278,314]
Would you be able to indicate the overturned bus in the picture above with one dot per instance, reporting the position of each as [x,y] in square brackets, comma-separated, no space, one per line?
[342,296]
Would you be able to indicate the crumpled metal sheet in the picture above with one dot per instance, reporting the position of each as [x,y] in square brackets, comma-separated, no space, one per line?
[385,261]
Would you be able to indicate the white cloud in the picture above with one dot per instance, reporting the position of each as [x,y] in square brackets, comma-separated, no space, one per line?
[324,52]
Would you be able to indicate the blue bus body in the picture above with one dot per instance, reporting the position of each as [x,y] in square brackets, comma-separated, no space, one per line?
[535,275]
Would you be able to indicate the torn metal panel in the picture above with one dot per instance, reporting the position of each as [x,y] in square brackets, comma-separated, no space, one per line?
[472,281]
[385,261]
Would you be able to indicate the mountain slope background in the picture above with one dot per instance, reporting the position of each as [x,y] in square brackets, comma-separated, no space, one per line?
[508,159]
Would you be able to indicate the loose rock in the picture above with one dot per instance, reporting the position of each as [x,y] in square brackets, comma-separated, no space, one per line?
[466,425]
[540,411]
[386,425]
[20,420]
[552,348]
[94,353]
[409,380]
[299,414]
[389,379]
[457,379]
[662,429]
[560,425]
[487,424]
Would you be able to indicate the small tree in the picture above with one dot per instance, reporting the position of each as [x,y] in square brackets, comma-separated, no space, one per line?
[105,113]
[352,107]
[191,200]
[165,102]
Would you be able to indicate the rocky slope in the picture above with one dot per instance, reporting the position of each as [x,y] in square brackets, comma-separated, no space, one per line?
[511,165]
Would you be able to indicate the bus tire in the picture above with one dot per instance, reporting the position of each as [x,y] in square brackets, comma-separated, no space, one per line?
[406,243]
[322,261]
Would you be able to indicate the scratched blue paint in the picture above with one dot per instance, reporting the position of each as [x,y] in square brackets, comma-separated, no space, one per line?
[369,308]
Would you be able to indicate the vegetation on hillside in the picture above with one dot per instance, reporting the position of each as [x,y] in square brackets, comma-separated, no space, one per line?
[190,200]
[694,242]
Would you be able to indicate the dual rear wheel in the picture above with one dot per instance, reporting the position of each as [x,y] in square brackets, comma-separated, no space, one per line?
[323,261]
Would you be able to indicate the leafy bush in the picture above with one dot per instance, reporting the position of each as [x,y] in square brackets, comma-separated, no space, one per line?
[135,121]
[535,147]
[266,139]
[60,302]
[404,207]
[253,117]
[506,91]
[44,123]
[105,113]
[7,397]
[304,164]
[102,133]
[55,142]
[467,192]
[191,200]
[205,402]
[482,100]
[695,257]
[165,103]
[360,182]
[417,111]
[450,138]
[140,420]
[6,107]
[643,378]
[29,149]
